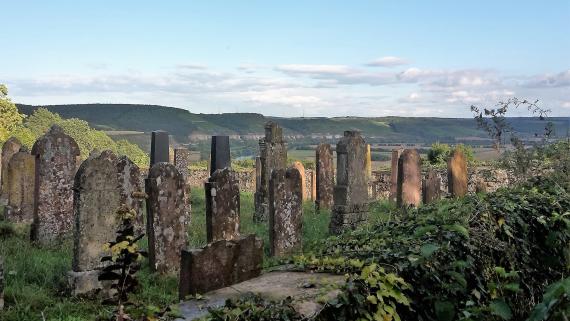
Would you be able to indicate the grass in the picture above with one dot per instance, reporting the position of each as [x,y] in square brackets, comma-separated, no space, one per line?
[36,276]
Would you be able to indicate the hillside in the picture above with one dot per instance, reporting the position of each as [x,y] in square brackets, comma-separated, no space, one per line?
[181,124]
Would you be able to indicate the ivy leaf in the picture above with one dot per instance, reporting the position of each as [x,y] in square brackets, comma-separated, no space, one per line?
[501,309]
[428,249]
[457,228]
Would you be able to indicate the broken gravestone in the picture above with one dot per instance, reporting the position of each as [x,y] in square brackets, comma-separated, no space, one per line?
[324,177]
[56,162]
[10,147]
[351,191]
[431,187]
[409,178]
[285,212]
[20,187]
[168,217]
[222,206]
[457,174]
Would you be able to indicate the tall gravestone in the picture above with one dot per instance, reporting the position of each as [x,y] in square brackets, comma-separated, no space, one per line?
[324,177]
[20,187]
[167,217]
[351,190]
[182,161]
[285,212]
[222,206]
[457,174]
[431,187]
[10,147]
[273,155]
[159,147]
[56,162]
[220,153]
[394,175]
[299,166]
[409,178]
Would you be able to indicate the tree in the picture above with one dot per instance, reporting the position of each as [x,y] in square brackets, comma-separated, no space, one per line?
[11,118]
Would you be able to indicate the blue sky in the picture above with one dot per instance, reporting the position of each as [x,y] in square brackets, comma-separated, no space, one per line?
[289,58]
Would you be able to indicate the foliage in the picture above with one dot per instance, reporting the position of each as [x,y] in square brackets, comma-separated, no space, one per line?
[252,307]
[440,153]
[11,118]
[555,305]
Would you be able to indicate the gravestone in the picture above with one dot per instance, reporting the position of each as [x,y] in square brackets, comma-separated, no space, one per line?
[220,153]
[56,162]
[222,206]
[131,190]
[285,212]
[457,174]
[299,166]
[409,178]
[431,187]
[351,190]
[159,147]
[21,175]
[313,185]
[1,284]
[394,175]
[324,177]
[220,264]
[10,147]
[273,155]
[368,163]
[167,217]
[182,161]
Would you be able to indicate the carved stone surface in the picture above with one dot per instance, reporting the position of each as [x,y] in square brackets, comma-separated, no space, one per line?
[167,217]
[409,178]
[394,175]
[220,153]
[182,161]
[431,187]
[457,174]
[56,162]
[324,177]
[159,147]
[131,189]
[351,189]
[20,187]
[10,147]
[299,166]
[222,206]
[285,212]
[273,155]
[220,264]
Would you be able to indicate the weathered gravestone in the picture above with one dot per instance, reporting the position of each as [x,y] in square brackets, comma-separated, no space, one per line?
[325,176]
[1,283]
[394,175]
[409,178]
[131,189]
[56,162]
[351,190]
[159,147]
[285,212]
[220,264]
[431,187]
[182,161]
[457,174]
[273,155]
[299,166]
[10,147]
[20,187]
[220,153]
[167,217]
[222,206]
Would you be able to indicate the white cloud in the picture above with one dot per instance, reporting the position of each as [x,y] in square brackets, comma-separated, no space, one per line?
[388,61]
[561,79]
[314,69]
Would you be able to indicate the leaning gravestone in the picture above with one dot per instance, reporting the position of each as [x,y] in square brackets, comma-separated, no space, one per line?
[159,147]
[273,155]
[285,212]
[431,187]
[20,190]
[457,174]
[222,206]
[220,264]
[409,178]
[324,177]
[351,191]
[167,217]
[56,162]
[182,161]
[10,147]
[394,175]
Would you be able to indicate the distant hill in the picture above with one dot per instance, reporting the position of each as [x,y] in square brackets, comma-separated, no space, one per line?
[183,125]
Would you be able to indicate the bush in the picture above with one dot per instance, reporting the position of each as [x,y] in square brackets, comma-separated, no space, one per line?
[440,153]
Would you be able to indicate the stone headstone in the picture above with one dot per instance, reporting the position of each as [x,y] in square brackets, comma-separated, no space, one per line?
[431,187]
[457,174]
[220,264]
[394,175]
[409,178]
[222,206]
[324,177]
[313,185]
[220,153]
[351,190]
[299,166]
[131,189]
[368,163]
[182,161]
[56,162]
[285,212]
[273,155]
[1,284]
[159,147]
[21,175]
[167,217]
[10,147]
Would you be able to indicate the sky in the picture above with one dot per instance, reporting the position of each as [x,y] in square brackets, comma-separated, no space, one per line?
[289,58]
